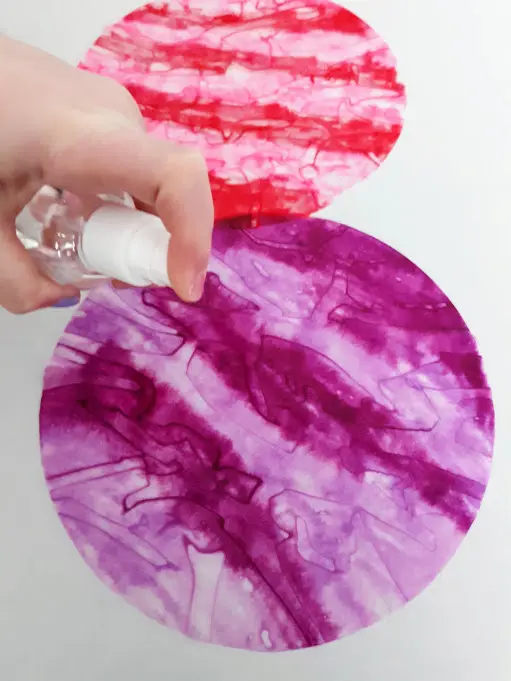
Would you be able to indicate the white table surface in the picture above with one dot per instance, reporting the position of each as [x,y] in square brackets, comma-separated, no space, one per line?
[443,198]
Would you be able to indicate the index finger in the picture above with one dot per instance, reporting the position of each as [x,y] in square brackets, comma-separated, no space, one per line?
[111,156]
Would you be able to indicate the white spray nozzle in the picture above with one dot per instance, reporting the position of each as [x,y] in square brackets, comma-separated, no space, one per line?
[126,244]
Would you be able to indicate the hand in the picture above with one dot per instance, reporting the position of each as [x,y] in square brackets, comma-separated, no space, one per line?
[78,131]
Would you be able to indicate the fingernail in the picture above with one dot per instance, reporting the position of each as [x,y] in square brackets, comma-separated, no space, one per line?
[197,287]
[67,302]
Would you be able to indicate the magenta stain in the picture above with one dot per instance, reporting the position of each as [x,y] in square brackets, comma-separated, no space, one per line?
[286,461]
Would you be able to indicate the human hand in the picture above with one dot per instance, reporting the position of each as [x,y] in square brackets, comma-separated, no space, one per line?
[81,132]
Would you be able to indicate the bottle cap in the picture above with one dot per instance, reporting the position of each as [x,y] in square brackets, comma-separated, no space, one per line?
[126,244]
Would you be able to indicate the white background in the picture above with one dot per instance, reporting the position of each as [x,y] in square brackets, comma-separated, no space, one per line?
[443,198]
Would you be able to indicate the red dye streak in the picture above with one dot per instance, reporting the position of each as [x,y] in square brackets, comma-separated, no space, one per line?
[280,124]
[204,58]
[251,198]
[295,20]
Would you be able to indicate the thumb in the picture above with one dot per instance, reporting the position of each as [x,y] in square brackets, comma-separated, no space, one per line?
[171,180]
[22,287]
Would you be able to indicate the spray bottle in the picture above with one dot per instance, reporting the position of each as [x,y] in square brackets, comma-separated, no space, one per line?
[86,241]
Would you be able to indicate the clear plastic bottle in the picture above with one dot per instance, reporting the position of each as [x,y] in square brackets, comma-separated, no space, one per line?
[87,240]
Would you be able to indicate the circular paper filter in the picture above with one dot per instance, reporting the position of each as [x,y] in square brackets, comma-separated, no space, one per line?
[286,461]
[291,102]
